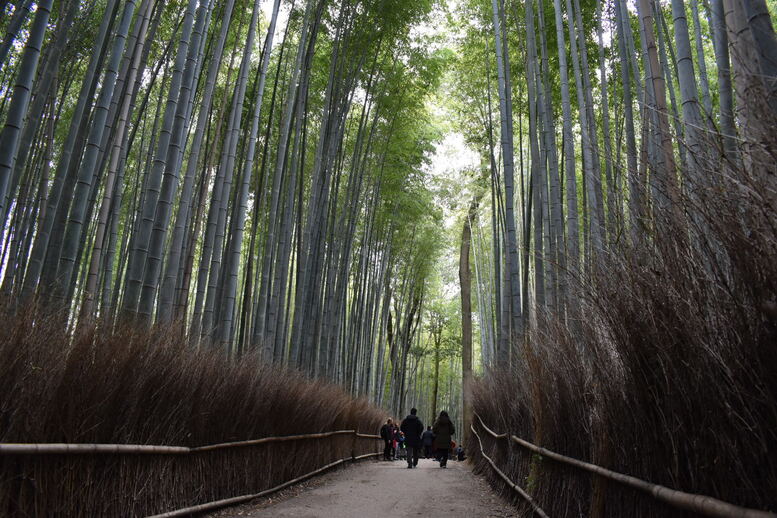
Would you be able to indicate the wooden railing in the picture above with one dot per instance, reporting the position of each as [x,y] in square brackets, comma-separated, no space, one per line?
[701,504]
[23,449]
[515,487]
[141,449]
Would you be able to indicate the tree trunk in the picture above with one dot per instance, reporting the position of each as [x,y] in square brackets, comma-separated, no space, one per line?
[725,89]
[172,165]
[12,30]
[86,171]
[465,282]
[690,103]
[153,183]
[232,267]
[173,261]
[9,137]
[636,213]
[505,109]
[667,181]
[119,146]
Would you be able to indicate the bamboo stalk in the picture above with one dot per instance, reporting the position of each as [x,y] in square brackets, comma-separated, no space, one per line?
[701,504]
[81,449]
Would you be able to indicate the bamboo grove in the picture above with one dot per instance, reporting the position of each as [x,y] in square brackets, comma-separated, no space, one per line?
[623,223]
[253,173]
[246,170]
[602,125]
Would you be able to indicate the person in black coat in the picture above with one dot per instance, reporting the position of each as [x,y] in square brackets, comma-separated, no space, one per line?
[412,427]
[387,434]
[427,439]
[443,431]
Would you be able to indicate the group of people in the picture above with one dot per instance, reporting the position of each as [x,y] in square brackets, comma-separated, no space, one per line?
[408,439]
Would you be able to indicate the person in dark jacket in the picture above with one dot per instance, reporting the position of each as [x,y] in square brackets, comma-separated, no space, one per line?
[427,439]
[387,434]
[412,428]
[443,430]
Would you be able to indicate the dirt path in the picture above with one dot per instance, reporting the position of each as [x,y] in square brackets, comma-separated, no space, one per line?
[386,489]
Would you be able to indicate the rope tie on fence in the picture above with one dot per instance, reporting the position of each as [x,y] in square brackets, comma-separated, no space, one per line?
[696,503]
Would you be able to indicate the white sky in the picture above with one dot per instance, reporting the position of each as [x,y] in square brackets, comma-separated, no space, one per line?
[283,17]
[452,156]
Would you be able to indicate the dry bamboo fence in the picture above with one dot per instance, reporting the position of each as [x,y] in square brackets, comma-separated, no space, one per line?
[58,449]
[518,489]
[701,504]
[245,498]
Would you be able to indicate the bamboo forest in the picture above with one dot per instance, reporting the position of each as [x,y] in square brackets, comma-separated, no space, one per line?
[239,236]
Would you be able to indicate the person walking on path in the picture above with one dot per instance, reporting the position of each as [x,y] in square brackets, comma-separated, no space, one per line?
[394,442]
[427,439]
[387,434]
[412,428]
[443,430]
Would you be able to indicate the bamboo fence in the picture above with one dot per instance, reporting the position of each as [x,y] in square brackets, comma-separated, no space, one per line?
[701,504]
[246,498]
[34,450]
[141,449]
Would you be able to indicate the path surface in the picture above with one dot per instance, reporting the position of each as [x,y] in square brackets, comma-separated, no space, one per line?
[386,489]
